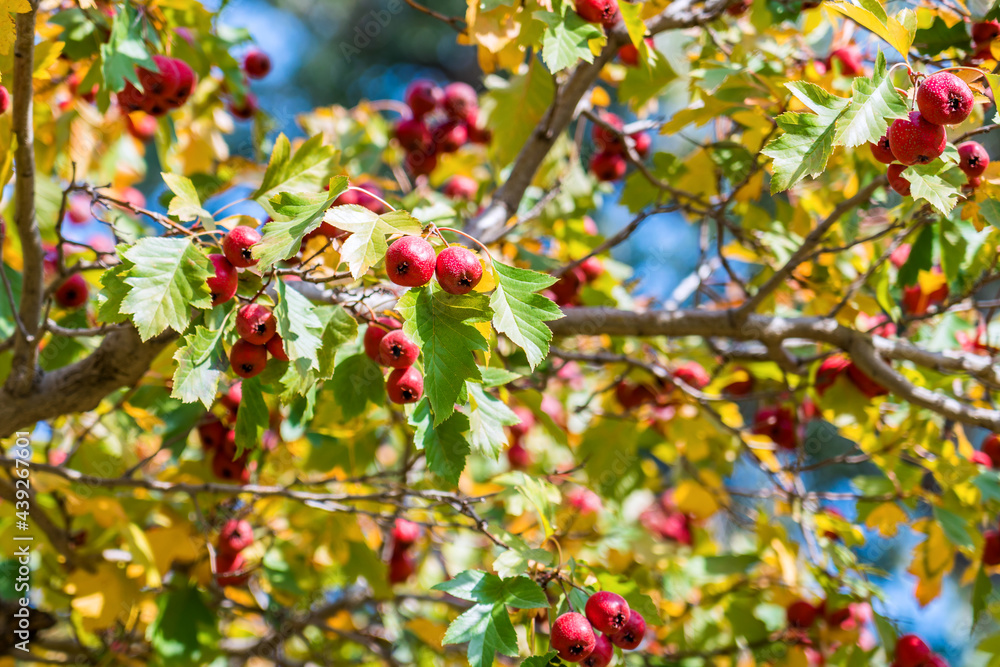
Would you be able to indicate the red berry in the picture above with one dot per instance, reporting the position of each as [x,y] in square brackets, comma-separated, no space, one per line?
[233,397]
[410,261]
[73,292]
[235,536]
[740,8]
[527,418]
[849,58]
[991,448]
[423,97]
[450,136]
[801,614]
[405,385]
[276,348]
[603,653]
[572,637]
[692,373]
[364,199]
[606,140]
[973,158]
[607,612]
[461,187]
[629,54]
[882,151]
[867,386]
[229,569]
[829,371]
[257,64]
[421,163]
[78,210]
[247,110]
[896,180]
[608,166]
[401,567]
[237,243]
[991,548]
[632,634]
[604,12]
[224,282]
[212,434]
[405,533]
[225,468]
[162,84]
[246,359]
[643,142]
[518,457]
[985,31]
[413,135]
[460,100]
[397,350]
[915,140]
[374,335]
[944,99]
[4,99]
[777,423]
[255,323]
[458,270]
[911,651]
[186,81]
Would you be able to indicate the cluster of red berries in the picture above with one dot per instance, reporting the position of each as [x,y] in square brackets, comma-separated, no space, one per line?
[566,290]
[163,90]
[609,163]
[411,262]
[401,563]
[983,34]
[235,536]
[574,636]
[631,395]
[387,345]
[604,12]
[942,99]
[219,439]
[912,651]
[836,365]
[256,65]
[441,121]
[848,58]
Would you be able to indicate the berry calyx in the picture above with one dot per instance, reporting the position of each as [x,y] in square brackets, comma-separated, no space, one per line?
[607,612]
[374,335]
[603,653]
[397,350]
[235,536]
[458,270]
[255,323]
[972,158]
[572,636]
[410,261]
[915,140]
[276,348]
[632,634]
[911,651]
[237,243]
[460,100]
[405,385]
[608,166]
[944,99]
[73,292]
[423,97]
[224,283]
[257,64]
[246,359]
[801,614]
[882,151]
[896,180]
[604,12]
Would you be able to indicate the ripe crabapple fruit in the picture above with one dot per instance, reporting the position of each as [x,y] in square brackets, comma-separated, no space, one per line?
[608,166]
[985,31]
[460,100]
[405,533]
[607,140]
[401,567]
[518,457]
[247,360]
[915,140]
[603,653]
[244,111]
[607,612]
[229,569]
[777,423]
[212,434]
[410,261]
[801,614]
[397,350]
[413,135]
[450,136]
[374,335]
[882,151]
[4,99]
[276,348]
[162,83]
[73,292]
[225,468]
[632,634]
[829,371]
[461,187]
[458,270]
[911,651]
[973,158]
[224,283]
[257,64]
[572,636]
[235,536]
[420,163]
[643,142]
[629,54]
[991,447]
[604,12]
[991,548]
[692,373]
[849,58]
[944,99]
[405,385]
[237,243]
[896,180]
[255,323]
[423,97]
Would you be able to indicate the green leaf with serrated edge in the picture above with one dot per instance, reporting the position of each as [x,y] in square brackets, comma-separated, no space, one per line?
[488,630]
[299,327]
[817,99]
[515,560]
[498,377]
[938,183]
[125,49]
[520,313]
[981,592]
[338,328]
[186,204]
[442,325]
[201,363]
[921,257]
[312,167]
[485,588]
[994,81]
[445,443]
[295,215]
[566,40]
[542,495]
[252,417]
[168,278]
[487,417]
[114,292]
[803,150]
[356,381]
[954,527]
[184,627]
[539,660]
[874,102]
[526,97]
[366,246]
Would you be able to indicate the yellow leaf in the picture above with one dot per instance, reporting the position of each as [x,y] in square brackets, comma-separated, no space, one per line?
[886,518]
[599,97]
[694,499]
[46,53]
[893,31]
[430,632]
[99,597]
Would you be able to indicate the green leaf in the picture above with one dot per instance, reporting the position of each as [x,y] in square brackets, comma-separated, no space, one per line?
[520,314]
[184,627]
[526,97]
[356,381]
[295,215]
[168,278]
[186,204]
[953,527]
[921,257]
[824,104]
[515,560]
[874,101]
[312,167]
[125,50]
[566,40]
[366,246]
[338,328]
[540,660]
[646,82]
[442,325]
[981,592]
[803,149]
[488,630]
[487,417]
[299,327]
[485,588]
[252,417]
[201,363]
[498,377]
[114,292]
[938,183]
[445,444]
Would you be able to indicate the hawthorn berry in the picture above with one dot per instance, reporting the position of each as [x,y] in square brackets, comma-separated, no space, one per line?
[739,8]
[186,81]
[606,140]
[229,570]
[212,433]
[603,653]
[233,397]
[4,99]
[450,136]
[363,199]
[225,468]
[78,210]
[246,110]
[246,359]
[458,270]
[420,163]
[985,31]
[374,335]
[276,348]
[829,370]
[882,151]
[461,187]
[405,385]
[405,533]
[73,292]
[607,612]
[518,456]
[413,135]
[235,536]
[459,101]
[867,386]
[423,97]
[257,64]
[604,12]
[401,567]
[608,166]
[161,84]
[896,180]
[849,58]
[225,281]
[572,636]
[777,423]
[629,54]
[944,99]
[991,548]
[973,158]
[911,651]
[397,350]
[632,634]
[237,243]
[991,448]
[801,614]
[526,423]
[255,323]
[693,374]
[643,142]
[410,261]
[915,140]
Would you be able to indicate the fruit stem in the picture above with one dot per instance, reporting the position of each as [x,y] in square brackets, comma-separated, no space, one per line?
[474,240]
[354,187]
[971,69]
